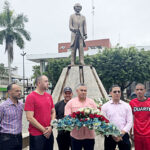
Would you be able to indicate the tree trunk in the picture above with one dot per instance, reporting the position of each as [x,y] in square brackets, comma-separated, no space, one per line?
[122,96]
[9,67]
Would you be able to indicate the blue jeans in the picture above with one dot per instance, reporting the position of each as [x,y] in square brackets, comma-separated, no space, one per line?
[40,142]
[87,144]
[10,141]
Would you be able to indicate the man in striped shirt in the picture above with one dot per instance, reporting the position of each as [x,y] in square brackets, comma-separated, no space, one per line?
[11,120]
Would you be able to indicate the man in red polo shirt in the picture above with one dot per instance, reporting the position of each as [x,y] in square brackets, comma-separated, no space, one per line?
[141,111]
[40,111]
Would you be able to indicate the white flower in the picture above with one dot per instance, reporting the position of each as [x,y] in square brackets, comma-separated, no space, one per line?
[81,109]
[94,111]
[87,110]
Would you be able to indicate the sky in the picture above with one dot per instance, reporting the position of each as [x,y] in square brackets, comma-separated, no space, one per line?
[122,21]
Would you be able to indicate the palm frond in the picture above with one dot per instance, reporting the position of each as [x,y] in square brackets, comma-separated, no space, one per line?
[19,40]
[6,15]
[19,21]
[2,36]
[24,33]
[7,12]
[6,5]
[3,22]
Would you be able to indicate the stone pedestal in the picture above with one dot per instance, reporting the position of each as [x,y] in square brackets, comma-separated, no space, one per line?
[73,75]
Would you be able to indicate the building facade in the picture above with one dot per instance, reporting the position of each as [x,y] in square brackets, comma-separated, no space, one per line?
[93,44]
[4,81]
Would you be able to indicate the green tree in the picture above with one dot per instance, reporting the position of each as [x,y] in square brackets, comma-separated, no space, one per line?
[36,71]
[54,69]
[117,65]
[3,71]
[12,30]
[122,66]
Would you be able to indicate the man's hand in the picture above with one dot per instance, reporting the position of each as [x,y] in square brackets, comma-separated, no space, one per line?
[119,138]
[75,30]
[123,132]
[47,132]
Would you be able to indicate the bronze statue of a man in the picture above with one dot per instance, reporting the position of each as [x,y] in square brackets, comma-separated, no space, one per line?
[77,25]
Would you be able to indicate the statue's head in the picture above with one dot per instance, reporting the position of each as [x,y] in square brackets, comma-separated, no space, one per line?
[77,7]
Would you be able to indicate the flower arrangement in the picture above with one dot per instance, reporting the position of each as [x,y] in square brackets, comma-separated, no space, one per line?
[91,118]
[99,102]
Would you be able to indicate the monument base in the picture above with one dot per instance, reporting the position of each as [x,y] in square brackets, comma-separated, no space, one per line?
[73,75]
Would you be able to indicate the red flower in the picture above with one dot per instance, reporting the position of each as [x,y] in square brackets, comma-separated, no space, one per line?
[91,116]
[81,120]
[97,116]
[85,119]
[82,112]
[78,113]
[107,121]
[73,115]
[99,108]
[102,118]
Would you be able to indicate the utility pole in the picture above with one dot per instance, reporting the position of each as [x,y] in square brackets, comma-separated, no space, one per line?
[93,7]
[23,54]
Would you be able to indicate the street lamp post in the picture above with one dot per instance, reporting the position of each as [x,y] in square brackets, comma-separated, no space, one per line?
[23,54]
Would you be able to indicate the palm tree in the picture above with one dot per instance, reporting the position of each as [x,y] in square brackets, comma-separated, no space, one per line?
[12,30]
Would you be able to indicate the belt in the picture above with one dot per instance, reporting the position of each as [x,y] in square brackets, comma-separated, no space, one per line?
[11,135]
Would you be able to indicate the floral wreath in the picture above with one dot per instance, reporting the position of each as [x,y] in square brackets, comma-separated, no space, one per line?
[91,118]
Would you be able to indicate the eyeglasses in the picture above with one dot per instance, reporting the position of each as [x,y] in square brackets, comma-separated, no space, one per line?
[116,91]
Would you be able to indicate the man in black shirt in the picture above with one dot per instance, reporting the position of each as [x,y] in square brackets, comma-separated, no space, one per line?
[63,137]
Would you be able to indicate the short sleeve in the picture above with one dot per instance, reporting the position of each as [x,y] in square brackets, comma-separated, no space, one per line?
[94,105]
[29,103]
[52,106]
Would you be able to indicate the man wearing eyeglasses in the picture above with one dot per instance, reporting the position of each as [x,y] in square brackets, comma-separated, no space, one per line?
[120,114]
[141,111]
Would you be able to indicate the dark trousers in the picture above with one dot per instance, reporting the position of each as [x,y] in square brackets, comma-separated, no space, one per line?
[10,141]
[87,144]
[110,144]
[41,142]
[64,140]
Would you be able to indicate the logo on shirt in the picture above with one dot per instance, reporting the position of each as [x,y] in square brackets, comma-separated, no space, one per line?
[141,109]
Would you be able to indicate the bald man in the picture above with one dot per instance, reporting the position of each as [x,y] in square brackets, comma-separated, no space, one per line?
[40,111]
